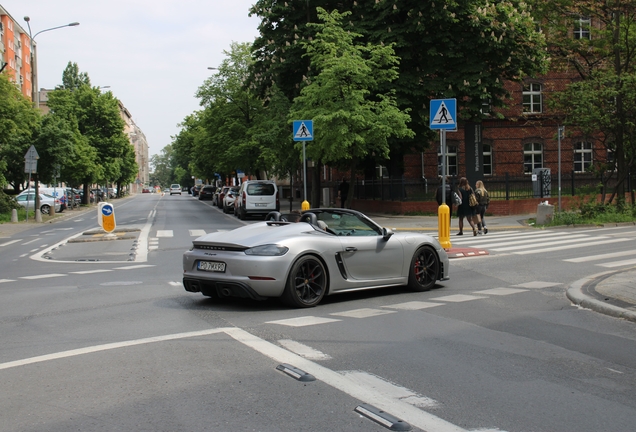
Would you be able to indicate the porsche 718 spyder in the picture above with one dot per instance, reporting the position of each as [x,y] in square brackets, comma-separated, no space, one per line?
[303,257]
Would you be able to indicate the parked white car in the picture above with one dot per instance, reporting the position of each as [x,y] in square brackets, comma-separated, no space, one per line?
[27,200]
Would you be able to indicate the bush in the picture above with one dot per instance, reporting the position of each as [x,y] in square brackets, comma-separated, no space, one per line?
[7,203]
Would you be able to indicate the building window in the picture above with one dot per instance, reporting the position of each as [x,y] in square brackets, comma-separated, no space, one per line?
[487,159]
[451,160]
[582,156]
[582,28]
[381,171]
[611,162]
[532,157]
[532,98]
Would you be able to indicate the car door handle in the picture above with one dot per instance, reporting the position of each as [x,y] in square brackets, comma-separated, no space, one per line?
[351,249]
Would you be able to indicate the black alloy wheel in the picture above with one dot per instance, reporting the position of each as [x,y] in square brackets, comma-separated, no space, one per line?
[424,269]
[307,283]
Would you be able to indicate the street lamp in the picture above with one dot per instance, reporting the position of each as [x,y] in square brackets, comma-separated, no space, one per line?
[35,96]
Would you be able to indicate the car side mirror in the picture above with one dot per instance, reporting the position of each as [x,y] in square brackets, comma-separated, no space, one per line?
[387,233]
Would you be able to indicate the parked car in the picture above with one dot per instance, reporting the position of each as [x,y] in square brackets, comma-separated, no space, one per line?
[207,192]
[229,198]
[328,251]
[27,200]
[219,200]
[257,198]
[215,196]
[175,188]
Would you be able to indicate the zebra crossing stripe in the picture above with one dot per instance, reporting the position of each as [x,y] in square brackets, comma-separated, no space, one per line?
[600,257]
[618,263]
[558,248]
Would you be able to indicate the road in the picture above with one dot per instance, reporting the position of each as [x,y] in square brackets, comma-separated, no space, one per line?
[101,335]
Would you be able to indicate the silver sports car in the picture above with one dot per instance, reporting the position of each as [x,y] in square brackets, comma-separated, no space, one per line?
[302,258]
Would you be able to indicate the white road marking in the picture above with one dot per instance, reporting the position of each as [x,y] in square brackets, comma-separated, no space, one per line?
[407,412]
[527,244]
[175,283]
[134,267]
[500,291]
[31,241]
[618,263]
[579,245]
[197,233]
[10,242]
[165,233]
[527,237]
[413,305]
[44,276]
[153,247]
[601,256]
[362,313]
[537,284]
[90,271]
[106,347]
[303,350]
[390,389]
[6,280]
[458,298]
[302,321]
[23,255]
[33,250]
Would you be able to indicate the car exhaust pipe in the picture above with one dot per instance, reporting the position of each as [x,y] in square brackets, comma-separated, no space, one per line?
[226,292]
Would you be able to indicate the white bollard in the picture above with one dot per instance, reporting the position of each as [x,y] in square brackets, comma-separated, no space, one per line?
[14,215]
[38,216]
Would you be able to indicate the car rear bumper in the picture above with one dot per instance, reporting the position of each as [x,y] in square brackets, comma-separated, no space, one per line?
[221,288]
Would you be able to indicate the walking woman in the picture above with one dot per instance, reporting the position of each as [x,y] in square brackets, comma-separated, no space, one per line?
[464,210]
[482,205]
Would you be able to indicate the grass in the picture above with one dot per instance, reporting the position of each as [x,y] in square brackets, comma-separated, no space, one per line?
[594,215]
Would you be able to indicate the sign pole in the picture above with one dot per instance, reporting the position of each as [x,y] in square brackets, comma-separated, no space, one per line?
[303,130]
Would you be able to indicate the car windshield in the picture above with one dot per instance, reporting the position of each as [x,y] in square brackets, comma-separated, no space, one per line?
[175,186]
[259,189]
[348,224]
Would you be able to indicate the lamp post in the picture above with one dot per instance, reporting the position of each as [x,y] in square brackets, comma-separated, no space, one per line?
[35,94]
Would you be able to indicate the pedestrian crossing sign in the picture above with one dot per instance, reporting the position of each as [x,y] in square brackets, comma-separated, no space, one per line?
[443,114]
[303,130]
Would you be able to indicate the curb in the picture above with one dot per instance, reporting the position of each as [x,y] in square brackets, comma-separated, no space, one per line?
[575,293]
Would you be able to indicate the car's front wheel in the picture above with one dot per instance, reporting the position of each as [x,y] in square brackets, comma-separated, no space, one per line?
[306,284]
[424,269]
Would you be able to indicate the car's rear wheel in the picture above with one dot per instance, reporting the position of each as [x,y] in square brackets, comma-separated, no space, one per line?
[45,209]
[306,284]
[424,269]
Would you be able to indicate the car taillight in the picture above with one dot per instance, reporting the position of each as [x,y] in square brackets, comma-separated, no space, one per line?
[244,197]
[277,201]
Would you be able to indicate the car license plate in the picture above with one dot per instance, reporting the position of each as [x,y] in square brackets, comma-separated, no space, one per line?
[211,266]
[261,204]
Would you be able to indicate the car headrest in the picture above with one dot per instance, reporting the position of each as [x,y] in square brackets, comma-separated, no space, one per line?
[273,216]
[322,225]
[309,218]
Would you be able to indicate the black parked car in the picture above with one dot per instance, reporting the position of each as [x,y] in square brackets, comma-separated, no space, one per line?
[207,192]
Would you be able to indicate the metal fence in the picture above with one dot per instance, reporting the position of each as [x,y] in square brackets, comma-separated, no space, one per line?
[504,187]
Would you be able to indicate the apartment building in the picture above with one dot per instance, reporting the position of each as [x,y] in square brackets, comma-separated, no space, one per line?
[15,53]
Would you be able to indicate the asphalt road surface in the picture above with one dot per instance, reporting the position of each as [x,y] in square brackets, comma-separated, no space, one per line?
[100,335]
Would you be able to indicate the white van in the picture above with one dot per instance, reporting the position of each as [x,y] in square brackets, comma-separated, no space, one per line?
[257,198]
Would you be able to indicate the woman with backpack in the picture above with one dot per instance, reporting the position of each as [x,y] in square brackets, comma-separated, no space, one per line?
[465,209]
[482,205]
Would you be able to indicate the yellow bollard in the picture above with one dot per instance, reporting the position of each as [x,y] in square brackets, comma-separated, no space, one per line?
[443,226]
[305,205]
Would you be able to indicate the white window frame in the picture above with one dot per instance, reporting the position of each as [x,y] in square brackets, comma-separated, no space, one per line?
[451,160]
[582,28]
[583,156]
[532,98]
[535,153]
[487,159]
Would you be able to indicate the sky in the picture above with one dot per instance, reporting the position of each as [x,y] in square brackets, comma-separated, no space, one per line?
[153,54]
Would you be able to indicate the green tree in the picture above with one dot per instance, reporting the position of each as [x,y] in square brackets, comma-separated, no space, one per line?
[19,122]
[97,117]
[352,117]
[462,49]
[602,102]
[230,110]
